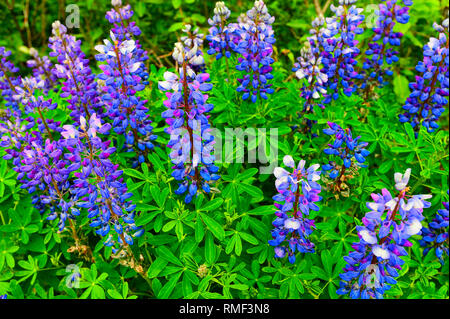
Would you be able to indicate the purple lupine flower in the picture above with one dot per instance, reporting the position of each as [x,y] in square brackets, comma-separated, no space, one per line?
[430,91]
[219,37]
[255,46]
[193,39]
[375,260]
[121,75]
[40,166]
[26,95]
[340,48]
[190,135]
[435,236]
[45,170]
[9,81]
[98,185]
[309,67]
[42,70]
[350,150]
[73,68]
[298,192]
[124,29]
[5,296]
[381,53]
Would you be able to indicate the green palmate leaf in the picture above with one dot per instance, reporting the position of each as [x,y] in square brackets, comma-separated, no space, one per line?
[165,253]
[212,205]
[213,226]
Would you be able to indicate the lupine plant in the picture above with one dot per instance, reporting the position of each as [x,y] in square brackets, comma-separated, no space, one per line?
[374,263]
[429,94]
[164,149]
[351,152]
[382,52]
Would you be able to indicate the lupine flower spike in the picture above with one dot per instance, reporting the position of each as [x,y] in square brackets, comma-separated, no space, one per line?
[124,29]
[430,92]
[9,81]
[298,191]
[98,186]
[309,67]
[382,52]
[435,236]
[352,153]
[73,68]
[122,77]
[42,70]
[190,135]
[376,259]
[340,48]
[256,42]
[219,37]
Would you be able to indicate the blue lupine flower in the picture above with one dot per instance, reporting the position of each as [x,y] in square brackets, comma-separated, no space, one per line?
[430,92]
[122,80]
[9,81]
[190,135]
[298,192]
[193,39]
[73,68]
[381,53]
[340,48]
[351,151]
[124,29]
[309,67]
[375,260]
[98,185]
[436,235]
[5,296]
[42,71]
[220,35]
[255,46]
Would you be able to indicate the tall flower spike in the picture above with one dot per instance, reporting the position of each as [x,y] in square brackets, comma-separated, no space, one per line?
[190,135]
[73,68]
[435,236]
[9,81]
[340,48]
[298,191]
[350,150]
[42,70]
[124,29]
[255,46]
[382,53]
[309,67]
[375,260]
[98,185]
[193,41]
[121,75]
[430,92]
[220,35]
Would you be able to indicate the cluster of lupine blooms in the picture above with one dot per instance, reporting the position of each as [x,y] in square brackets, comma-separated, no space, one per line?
[68,169]
[191,141]
[328,62]
[252,38]
[382,46]
[298,191]
[349,149]
[429,94]
[375,261]
[4,296]
[435,236]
